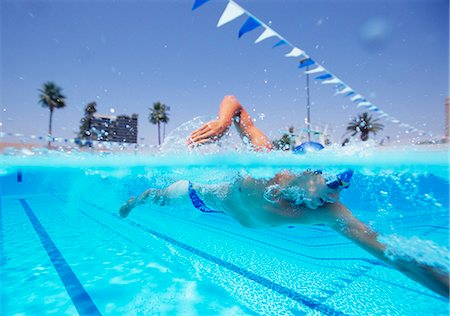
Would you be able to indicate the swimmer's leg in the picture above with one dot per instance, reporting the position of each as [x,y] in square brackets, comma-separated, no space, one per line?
[176,193]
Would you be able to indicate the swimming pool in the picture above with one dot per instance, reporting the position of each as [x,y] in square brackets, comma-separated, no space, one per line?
[65,250]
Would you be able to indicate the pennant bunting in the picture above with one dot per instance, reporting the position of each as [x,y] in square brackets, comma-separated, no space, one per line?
[315,70]
[249,25]
[332,81]
[232,11]
[363,103]
[296,52]
[306,62]
[345,90]
[268,32]
[281,42]
[198,3]
[356,98]
[323,77]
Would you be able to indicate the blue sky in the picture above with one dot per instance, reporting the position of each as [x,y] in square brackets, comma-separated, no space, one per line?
[125,55]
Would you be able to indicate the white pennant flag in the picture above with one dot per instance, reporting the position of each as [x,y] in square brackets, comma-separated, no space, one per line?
[356,97]
[232,11]
[332,80]
[295,52]
[365,103]
[268,32]
[383,115]
[345,90]
[315,70]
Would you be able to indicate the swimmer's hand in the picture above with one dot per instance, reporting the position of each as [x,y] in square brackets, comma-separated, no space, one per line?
[209,132]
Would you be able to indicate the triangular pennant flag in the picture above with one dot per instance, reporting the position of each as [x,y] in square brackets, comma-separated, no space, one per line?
[295,52]
[394,120]
[281,42]
[249,25]
[198,3]
[345,90]
[356,97]
[306,62]
[350,93]
[315,70]
[268,32]
[232,11]
[363,103]
[372,108]
[324,76]
[332,80]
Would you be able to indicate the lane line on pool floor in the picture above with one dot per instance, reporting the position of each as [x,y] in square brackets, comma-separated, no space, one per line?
[2,238]
[329,293]
[339,282]
[300,298]
[80,298]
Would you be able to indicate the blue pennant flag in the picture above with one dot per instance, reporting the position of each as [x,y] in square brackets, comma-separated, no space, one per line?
[324,76]
[350,94]
[306,62]
[249,25]
[282,42]
[198,3]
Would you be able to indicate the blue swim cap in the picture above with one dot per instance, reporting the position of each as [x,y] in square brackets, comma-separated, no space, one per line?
[307,147]
[342,180]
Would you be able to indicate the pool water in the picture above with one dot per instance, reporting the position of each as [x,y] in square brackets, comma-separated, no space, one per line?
[64,249]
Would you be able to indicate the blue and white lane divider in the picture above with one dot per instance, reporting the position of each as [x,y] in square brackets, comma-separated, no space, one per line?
[80,298]
[72,141]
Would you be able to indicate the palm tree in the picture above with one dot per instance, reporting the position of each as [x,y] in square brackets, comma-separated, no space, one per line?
[50,96]
[363,124]
[159,114]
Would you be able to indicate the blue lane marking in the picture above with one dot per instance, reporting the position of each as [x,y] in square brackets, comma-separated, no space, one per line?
[367,260]
[80,298]
[19,176]
[2,252]
[245,273]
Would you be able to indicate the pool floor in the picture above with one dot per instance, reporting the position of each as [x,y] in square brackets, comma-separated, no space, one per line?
[63,254]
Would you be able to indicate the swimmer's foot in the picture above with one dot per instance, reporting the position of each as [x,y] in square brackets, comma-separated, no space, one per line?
[127,207]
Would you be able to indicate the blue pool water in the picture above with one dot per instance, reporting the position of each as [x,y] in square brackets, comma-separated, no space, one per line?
[65,250]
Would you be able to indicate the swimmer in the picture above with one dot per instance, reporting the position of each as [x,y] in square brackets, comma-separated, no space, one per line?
[286,199]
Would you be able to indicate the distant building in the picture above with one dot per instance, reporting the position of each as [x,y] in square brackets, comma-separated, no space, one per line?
[108,128]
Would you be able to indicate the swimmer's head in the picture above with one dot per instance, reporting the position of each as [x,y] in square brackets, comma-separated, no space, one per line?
[341,181]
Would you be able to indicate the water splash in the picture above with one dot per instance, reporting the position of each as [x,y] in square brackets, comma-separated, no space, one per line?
[416,249]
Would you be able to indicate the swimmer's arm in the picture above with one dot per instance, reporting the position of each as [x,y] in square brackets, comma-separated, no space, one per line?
[342,220]
[231,110]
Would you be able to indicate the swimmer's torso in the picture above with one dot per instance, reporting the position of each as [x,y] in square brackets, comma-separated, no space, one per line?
[246,203]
